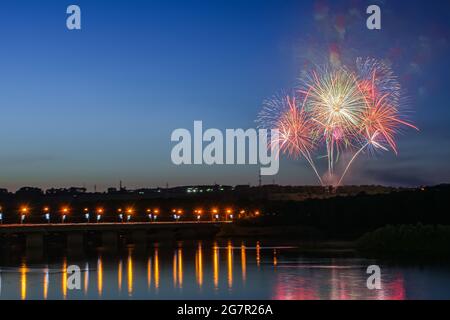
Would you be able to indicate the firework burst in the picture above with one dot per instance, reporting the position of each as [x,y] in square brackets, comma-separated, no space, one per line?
[295,127]
[341,109]
[336,104]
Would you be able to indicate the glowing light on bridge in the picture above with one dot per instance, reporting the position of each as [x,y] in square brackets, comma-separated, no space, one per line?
[100,212]
[64,213]
[230,214]
[86,214]
[23,213]
[198,213]
[130,212]
[149,214]
[47,214]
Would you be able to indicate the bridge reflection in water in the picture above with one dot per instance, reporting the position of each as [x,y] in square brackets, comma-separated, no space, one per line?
[199,270]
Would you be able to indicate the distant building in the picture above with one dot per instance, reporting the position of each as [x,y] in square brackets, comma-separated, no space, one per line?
[66,191]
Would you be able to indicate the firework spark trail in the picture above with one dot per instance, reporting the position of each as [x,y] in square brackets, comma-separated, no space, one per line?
[343,109]
[372,141]
[294,126]
[336,105]
[382,117]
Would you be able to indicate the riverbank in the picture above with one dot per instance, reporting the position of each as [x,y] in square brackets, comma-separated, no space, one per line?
[407,241]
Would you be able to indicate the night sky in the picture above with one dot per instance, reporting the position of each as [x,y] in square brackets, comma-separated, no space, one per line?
[98,105]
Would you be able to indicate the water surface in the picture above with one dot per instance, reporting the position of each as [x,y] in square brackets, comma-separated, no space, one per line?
[216,270]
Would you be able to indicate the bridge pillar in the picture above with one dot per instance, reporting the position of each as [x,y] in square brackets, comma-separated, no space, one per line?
[34,241]
[75,240]
[139,237]
[75,243]
[34,246]
[110,239]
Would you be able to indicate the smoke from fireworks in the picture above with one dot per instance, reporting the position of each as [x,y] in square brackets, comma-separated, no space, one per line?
[342,109]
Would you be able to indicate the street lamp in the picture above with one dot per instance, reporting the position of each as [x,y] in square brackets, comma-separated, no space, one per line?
[155,214]
[120,214]
[47,214]
[99,214]
[129,213]
[215,214]
[86,214]
[230,214]
[199,214]
[64,211]
[149,213]
[23,214]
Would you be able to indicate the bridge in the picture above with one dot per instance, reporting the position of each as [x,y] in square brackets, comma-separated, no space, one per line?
[75,234]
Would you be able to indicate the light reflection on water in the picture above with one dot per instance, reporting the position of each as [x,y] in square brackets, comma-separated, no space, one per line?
[213,270]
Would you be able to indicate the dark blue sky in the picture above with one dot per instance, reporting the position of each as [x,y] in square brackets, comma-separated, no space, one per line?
[98,105]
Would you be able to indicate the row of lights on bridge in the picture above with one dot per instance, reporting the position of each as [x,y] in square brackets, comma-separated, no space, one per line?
[127,214]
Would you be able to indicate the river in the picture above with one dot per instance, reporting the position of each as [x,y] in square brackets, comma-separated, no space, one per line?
[225,269]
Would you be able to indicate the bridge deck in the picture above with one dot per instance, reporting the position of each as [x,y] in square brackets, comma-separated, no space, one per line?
[81,227]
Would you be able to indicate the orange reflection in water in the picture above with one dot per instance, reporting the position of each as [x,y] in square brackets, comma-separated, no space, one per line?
[216,265]
[180,267]
[119,275]
[230,264]
[199,265]
[243,262]
[258,256]
[64,278]
[100,276]
[156,269]
[130,273]
[149,272]
[86,278]
[174,269]
[23,280]
[46,280]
